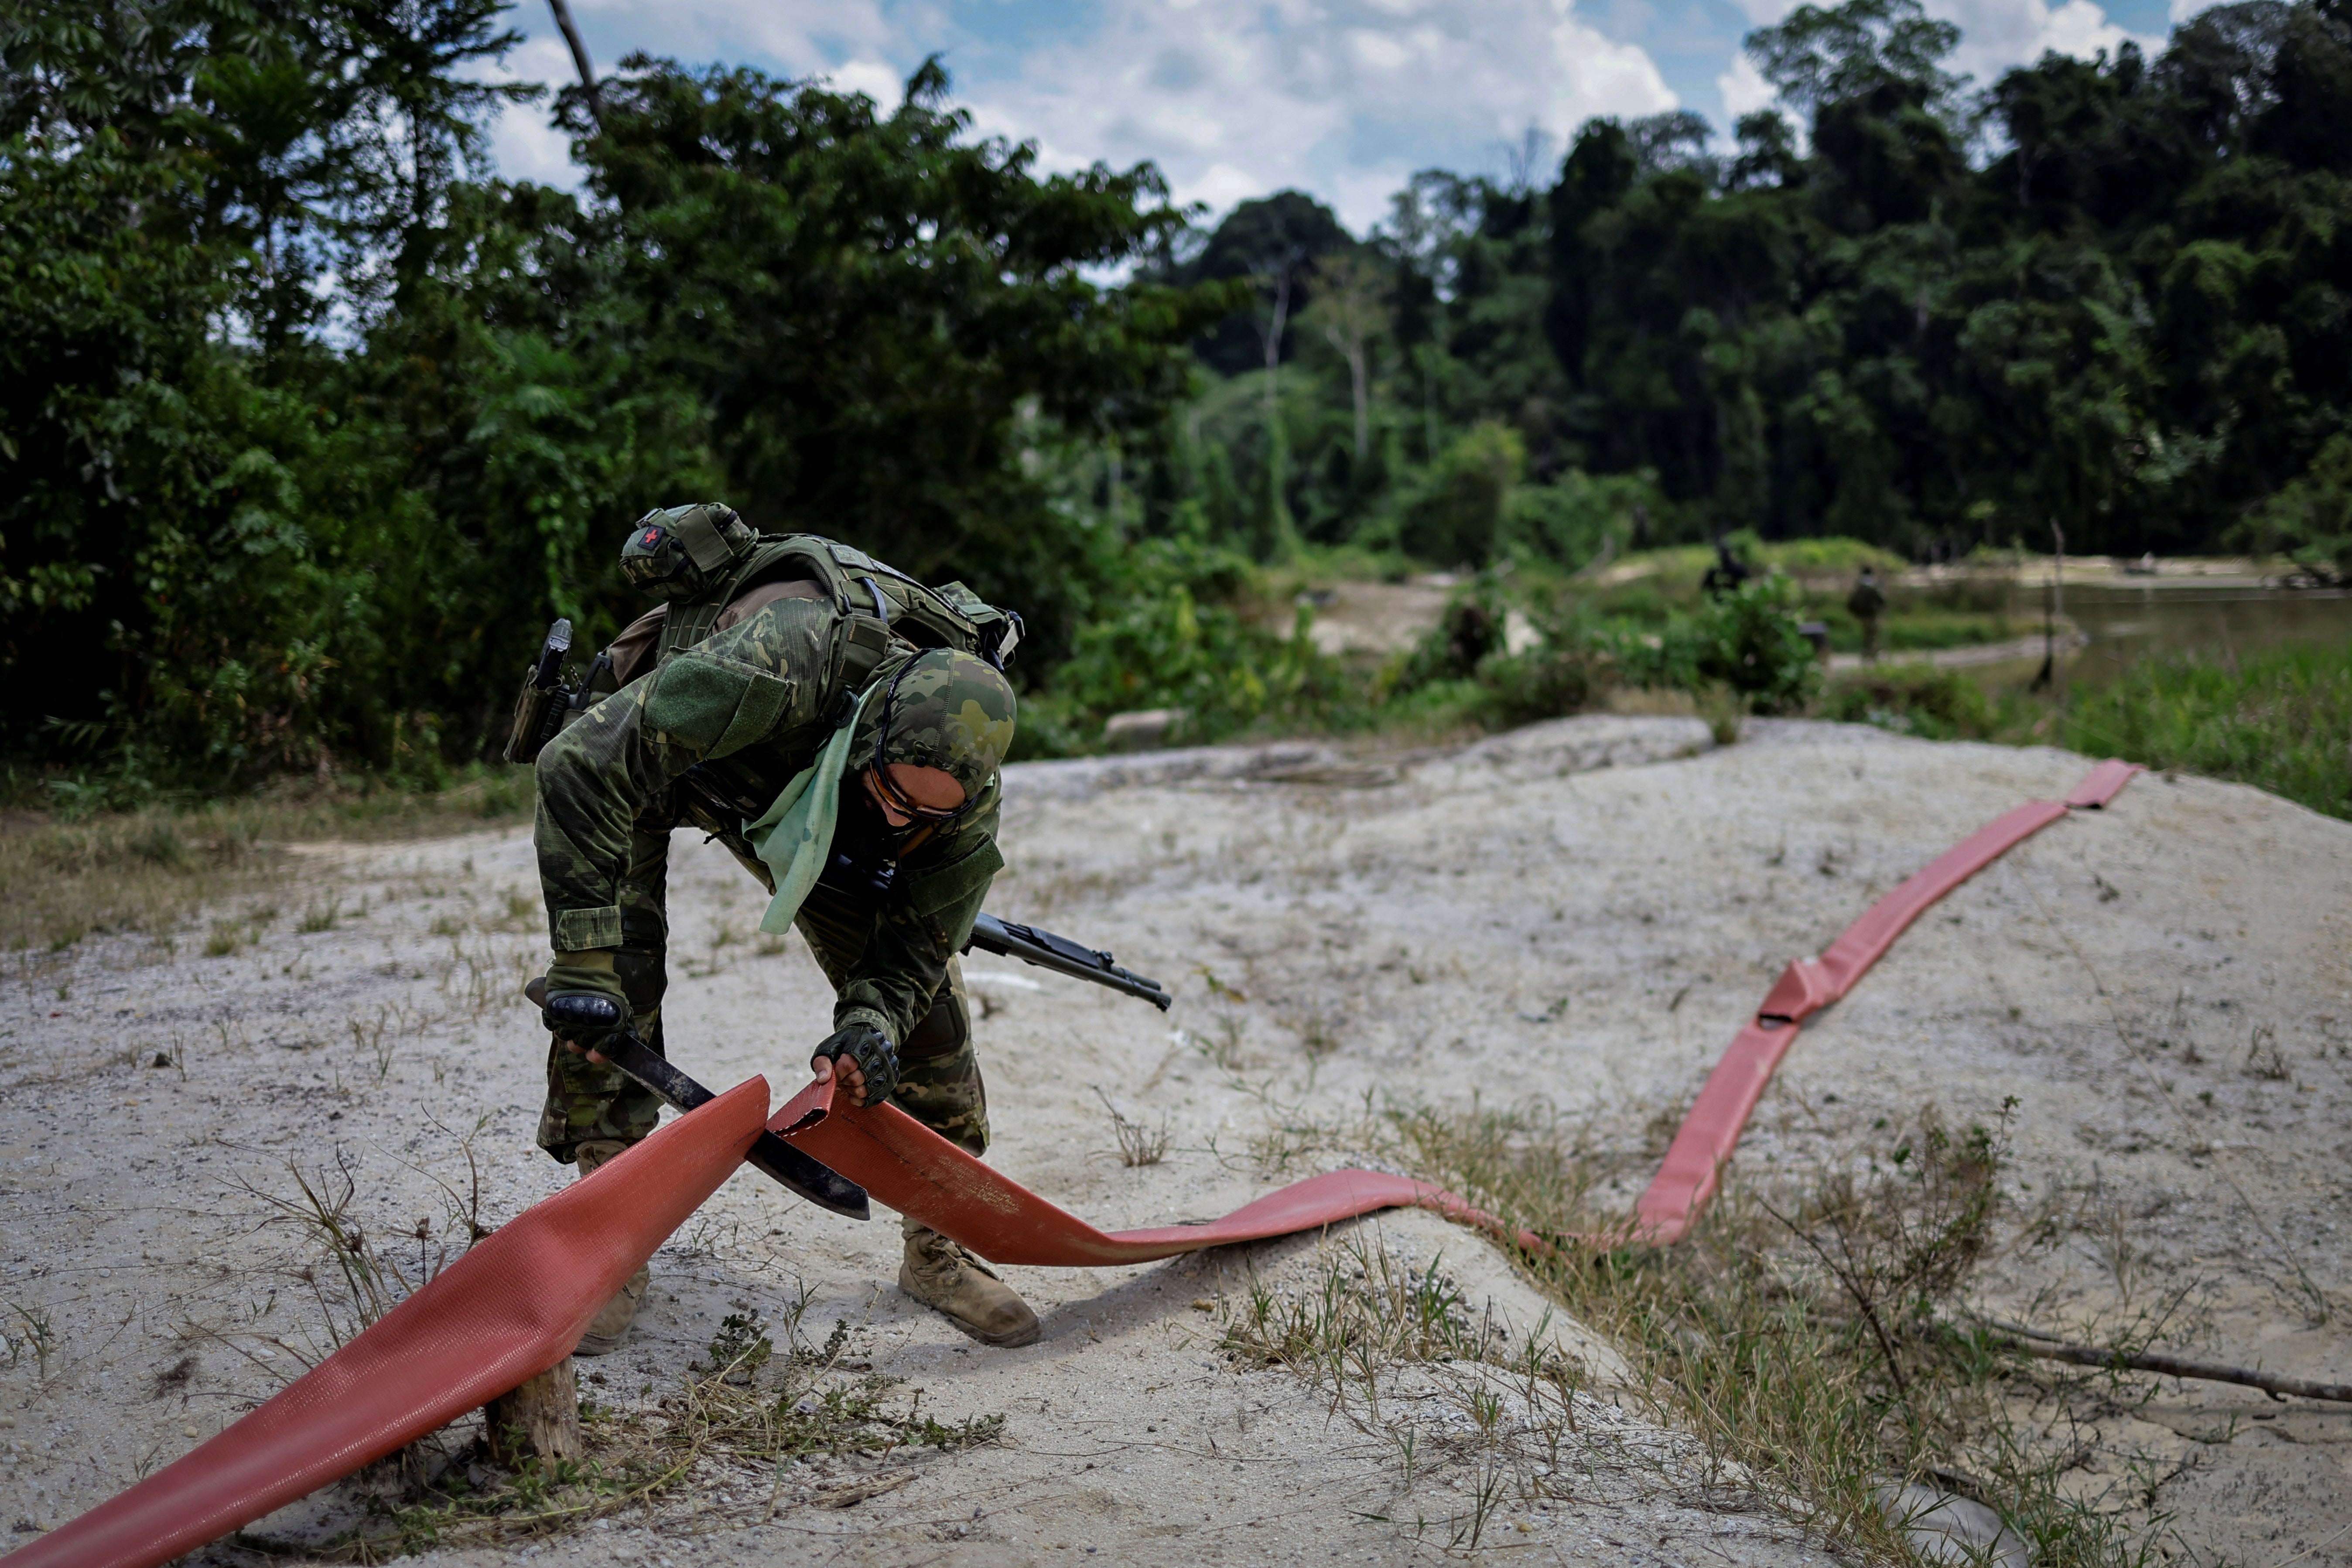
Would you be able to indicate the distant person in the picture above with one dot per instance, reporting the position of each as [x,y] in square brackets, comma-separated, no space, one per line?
[1866,604]
[1723,579]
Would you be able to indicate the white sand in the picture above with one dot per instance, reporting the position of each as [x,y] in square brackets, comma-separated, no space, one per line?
[1517,920]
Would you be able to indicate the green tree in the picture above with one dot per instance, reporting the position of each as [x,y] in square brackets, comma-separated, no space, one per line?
[871,306]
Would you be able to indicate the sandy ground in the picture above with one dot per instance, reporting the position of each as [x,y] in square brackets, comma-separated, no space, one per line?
[1583,912]
[1376,618]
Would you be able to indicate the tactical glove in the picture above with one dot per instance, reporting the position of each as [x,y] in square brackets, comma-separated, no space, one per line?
[871,1051]
[581,998]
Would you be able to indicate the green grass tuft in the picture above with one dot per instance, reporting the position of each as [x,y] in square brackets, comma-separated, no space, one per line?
[2280,721]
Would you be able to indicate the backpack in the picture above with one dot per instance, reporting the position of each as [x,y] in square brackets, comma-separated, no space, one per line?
[875,600]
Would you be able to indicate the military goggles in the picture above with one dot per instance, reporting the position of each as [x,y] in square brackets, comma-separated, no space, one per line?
[887,789]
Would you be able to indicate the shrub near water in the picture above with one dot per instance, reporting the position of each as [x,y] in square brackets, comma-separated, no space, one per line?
[1914,699]
[2279,721]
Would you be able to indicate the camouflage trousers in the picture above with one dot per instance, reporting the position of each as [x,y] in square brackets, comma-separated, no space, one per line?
[939,1069]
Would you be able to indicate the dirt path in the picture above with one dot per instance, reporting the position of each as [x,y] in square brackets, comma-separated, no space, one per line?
[1518,918]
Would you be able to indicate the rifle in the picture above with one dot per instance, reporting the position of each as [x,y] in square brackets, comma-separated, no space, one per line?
[1063,956]
[547,701]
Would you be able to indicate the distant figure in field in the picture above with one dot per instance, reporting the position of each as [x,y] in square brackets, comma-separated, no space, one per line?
[1723,578]
[1866,604]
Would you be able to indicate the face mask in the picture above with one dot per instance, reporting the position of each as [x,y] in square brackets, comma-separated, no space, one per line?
[865,857]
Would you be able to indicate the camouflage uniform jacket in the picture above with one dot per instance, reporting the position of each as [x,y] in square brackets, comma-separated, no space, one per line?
[710,738]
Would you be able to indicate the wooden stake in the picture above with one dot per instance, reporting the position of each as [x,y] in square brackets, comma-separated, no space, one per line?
[538,1419]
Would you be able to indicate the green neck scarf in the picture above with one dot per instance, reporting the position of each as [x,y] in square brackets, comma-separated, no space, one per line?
[794,836]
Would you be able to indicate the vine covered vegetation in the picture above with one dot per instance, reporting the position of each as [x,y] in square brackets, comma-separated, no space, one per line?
[308,422]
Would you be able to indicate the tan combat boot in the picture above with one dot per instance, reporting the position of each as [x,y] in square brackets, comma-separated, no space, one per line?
[610,1326]
[944,1277]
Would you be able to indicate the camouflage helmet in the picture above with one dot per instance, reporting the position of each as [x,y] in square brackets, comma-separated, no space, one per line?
[676,553]
[941,708]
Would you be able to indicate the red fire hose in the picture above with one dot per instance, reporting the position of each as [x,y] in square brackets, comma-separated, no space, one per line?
[516,1304]
[511,1308]
[1684,1183]
[906,1166]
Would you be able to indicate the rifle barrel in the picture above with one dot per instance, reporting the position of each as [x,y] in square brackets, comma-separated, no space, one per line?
[1060,954]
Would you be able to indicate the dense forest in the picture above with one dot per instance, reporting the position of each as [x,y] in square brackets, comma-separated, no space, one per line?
[2110,295]
[308,422]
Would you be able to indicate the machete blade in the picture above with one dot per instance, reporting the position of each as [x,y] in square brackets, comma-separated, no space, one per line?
[812,1178]
[791,1168]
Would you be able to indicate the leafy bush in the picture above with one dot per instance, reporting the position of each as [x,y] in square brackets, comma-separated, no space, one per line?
[2310,519]
[1542,683]
[1176,637]
[1468,630]
[1457,517]
[1747,640]
[1568,520]
[1914,699]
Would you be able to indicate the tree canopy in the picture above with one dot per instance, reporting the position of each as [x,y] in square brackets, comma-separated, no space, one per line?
[2106,294]
[308,422]
[309,428]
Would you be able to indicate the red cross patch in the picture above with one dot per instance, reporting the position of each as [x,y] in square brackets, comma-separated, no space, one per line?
[652,538]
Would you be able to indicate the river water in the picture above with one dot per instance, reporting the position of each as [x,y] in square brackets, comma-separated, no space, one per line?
[2122,620]
[2125,622]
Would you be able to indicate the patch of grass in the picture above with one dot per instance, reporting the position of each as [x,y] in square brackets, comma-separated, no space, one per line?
[27,1330]
[1812,1336]
[64,876]
[1138,1143]
[2280,721]
[1404,1358]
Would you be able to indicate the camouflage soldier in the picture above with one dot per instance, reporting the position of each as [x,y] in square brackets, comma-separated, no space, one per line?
[853,771]
[1866,604]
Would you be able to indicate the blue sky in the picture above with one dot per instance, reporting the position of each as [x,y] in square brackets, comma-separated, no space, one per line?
[1239,98]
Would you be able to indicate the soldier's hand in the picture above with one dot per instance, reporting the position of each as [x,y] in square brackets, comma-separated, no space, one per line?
[579,1020]
[852,1082]
[860,1059]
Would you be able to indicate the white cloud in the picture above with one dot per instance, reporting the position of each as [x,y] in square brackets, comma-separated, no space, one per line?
[524,141]
[804,36]
[1237,97]
[1744,88]
[885,84]
[1998,34]
[2184,9]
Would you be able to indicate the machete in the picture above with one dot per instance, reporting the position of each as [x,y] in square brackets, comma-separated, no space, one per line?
[819,1182]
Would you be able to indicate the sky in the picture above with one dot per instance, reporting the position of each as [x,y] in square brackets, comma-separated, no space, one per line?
[1234,98]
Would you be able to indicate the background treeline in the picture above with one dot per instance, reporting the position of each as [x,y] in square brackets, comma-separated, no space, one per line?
[2114,295]
[306,426]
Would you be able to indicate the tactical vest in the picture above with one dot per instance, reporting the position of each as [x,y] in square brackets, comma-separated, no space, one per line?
[874,601]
